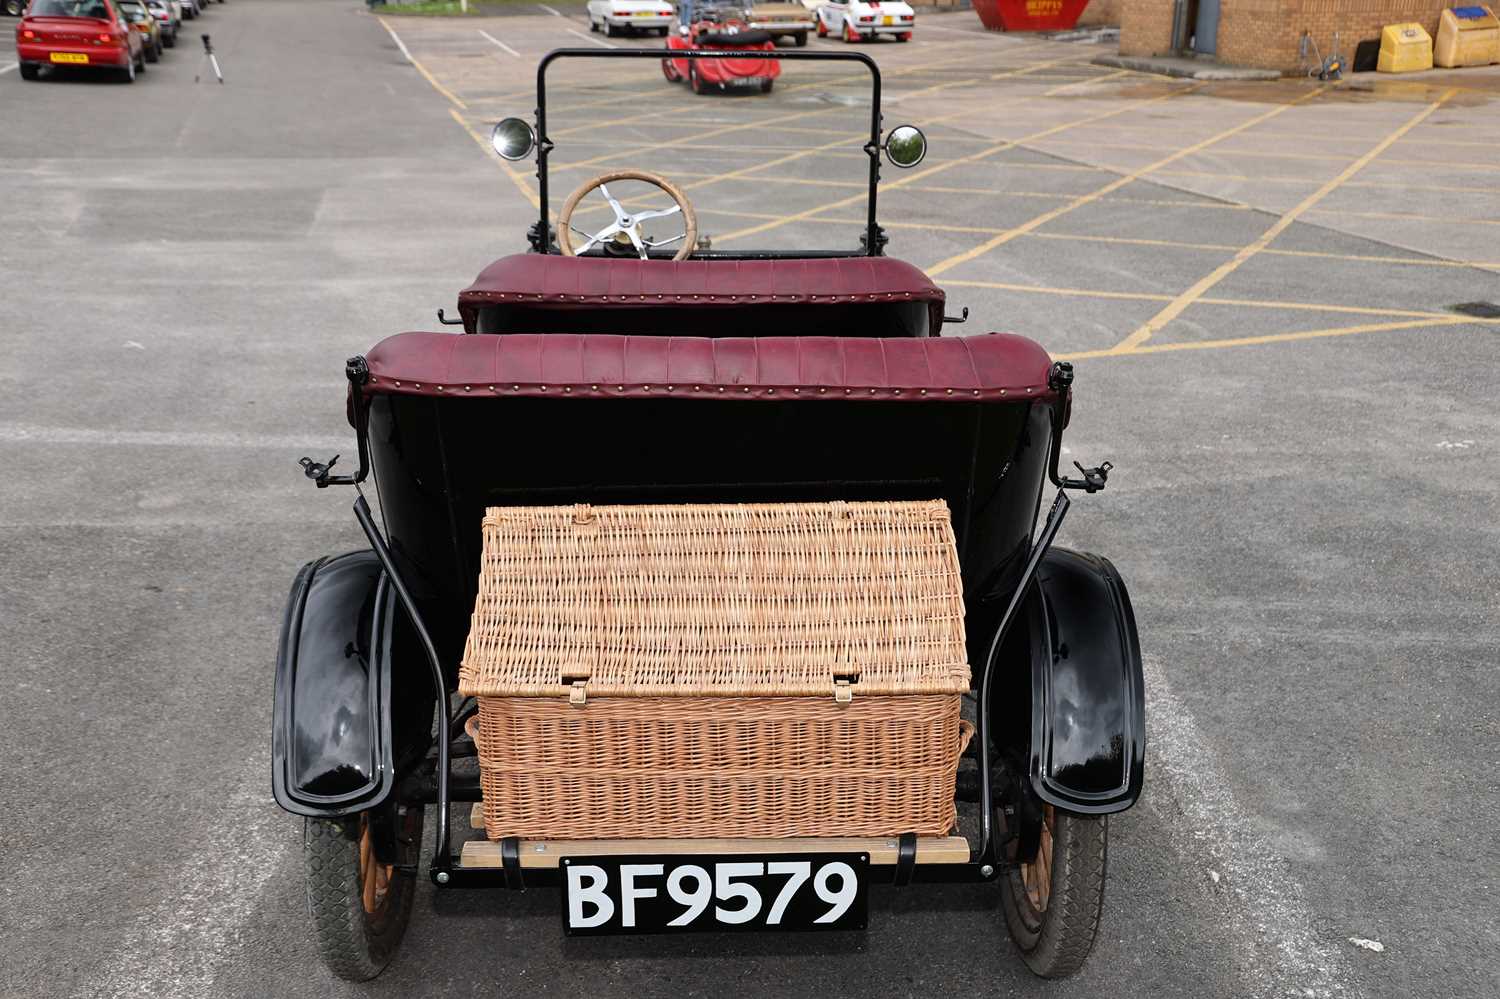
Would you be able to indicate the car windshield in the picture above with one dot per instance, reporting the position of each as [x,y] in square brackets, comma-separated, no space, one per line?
[132,11]
[769,164]
[70,8]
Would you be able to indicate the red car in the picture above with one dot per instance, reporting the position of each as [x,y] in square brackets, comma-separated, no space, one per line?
[91,33]
[722,74]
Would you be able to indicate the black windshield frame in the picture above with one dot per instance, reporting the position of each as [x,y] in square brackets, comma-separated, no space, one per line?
[873,237]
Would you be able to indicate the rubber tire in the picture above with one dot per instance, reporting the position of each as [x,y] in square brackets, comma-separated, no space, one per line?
[170,41]
[670,71]
[14,8]
[341,927]
[694,80]
[1058,944]
[766,85]
[800,39]
[610,30]
[128,74]
[593,26]
[30,71]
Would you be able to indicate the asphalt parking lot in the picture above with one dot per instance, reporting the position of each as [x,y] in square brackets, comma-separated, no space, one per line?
[1257,284]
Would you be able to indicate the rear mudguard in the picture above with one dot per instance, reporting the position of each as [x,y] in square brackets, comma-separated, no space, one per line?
[1088,711]
[331,740]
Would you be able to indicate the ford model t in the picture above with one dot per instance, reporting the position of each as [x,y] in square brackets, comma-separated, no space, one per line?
[719,585]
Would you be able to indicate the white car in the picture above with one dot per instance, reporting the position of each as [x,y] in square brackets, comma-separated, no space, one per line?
[619,17]
[863,20]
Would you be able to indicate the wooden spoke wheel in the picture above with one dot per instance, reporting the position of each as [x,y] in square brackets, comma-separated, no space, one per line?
[361,881]
[1052,902]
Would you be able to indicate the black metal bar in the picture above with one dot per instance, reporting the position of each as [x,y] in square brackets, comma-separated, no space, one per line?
[873,236]
[510,860]
[440,855]
[982,713]
[906,858]
[970,872]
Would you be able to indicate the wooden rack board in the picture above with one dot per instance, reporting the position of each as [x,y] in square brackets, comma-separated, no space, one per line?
[882,850]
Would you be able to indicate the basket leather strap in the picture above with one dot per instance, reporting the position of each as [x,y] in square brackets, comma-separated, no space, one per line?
[906,858]
[510,860]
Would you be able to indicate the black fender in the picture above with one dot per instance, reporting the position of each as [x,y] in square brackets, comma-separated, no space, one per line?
[1088,699]
[331,739]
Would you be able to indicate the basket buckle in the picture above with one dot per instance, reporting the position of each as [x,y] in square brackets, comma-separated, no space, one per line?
[843,691]
[577,678]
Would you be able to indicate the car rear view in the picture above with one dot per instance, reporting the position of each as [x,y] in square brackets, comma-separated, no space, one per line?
[74,33]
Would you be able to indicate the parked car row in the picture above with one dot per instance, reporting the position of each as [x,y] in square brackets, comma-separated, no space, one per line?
[117,36]
[851,20]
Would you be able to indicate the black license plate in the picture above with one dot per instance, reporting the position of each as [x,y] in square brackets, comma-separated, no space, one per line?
[681,894]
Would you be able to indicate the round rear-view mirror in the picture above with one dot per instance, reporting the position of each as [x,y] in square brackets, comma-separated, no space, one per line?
[513,139]
[905,146]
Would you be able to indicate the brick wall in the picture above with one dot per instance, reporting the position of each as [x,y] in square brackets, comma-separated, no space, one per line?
[1145,27]
[1268,33]
[1100,12]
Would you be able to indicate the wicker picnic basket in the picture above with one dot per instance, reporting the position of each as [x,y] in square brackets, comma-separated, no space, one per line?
[735,670]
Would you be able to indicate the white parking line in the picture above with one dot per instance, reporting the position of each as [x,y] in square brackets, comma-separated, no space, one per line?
[500,43]
[397,39]
[549,10]
[591,38]
[1272,928]
[8,68]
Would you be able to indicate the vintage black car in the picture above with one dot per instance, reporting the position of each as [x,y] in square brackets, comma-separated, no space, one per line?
[615,367]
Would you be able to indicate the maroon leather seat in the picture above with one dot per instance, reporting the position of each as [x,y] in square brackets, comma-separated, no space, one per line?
[999,366]
[834,296]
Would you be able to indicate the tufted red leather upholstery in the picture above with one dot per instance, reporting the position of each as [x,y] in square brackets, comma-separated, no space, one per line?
[991,367]
[561,282]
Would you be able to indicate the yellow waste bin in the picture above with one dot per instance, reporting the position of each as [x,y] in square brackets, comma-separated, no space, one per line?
[1467,36]
[1404,48]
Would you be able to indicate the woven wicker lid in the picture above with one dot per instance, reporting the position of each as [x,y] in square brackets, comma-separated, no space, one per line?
[719,600]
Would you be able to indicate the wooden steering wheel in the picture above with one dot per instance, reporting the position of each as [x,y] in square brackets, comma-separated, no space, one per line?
[627,224]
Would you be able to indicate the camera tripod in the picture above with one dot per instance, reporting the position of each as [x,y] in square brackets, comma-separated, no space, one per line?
[210,58]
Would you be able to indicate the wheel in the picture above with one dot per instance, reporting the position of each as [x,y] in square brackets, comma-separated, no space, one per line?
[30,71]
[611,30]
[850,35]
[766,85]
[1052,904]
[593,25]
[670,71]
[662,32]
[822,29]
[359,905]
[694,80]
[800,39]
[14,8]
[131,68]
[170,41]
[153,52]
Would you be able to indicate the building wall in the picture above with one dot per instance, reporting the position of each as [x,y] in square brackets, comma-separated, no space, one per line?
[1100,12]
[1268,33]
[1145,27]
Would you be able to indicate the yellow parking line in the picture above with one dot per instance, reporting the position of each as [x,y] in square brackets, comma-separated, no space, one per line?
[1113,185]
[1270,252]
[970,158]
[1402,216]
[1241,303]
[1149,328]
[510,171]
[417,65]
[1248,341]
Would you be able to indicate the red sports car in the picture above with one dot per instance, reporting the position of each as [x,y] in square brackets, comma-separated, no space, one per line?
[78,33]
[722,74]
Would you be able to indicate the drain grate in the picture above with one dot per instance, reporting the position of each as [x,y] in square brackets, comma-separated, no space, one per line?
[1479,310]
